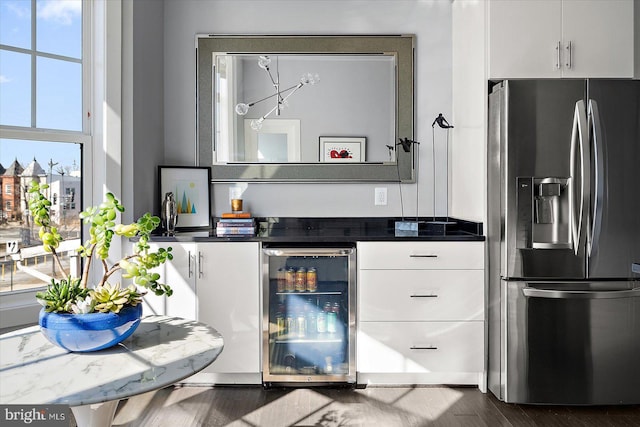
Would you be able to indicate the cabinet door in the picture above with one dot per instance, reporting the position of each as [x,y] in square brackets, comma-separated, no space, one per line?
[229,301]
[178,273]
[524,37]
[601,36]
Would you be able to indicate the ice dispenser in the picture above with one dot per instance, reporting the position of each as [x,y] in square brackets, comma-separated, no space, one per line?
[543,213]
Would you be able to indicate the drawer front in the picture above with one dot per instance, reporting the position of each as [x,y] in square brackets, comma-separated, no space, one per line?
[420,255]
[417,295]
[405,347]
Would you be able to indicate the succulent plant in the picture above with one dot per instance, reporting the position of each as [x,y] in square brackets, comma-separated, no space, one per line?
[112,298]
[83,306]
[61,295]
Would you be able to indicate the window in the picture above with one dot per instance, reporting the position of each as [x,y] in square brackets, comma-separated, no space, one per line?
[43,125]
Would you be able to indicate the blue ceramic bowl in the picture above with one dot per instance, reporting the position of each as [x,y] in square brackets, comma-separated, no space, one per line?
[89,332]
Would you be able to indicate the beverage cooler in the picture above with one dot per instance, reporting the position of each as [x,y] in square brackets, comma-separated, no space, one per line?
[309,315]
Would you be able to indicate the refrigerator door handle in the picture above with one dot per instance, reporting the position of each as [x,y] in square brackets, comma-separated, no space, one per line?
[595,130]
[580,176]
[550,293]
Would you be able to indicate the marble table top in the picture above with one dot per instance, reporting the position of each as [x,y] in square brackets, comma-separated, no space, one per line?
[162,351]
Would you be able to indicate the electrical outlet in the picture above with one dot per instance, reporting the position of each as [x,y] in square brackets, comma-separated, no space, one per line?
[380,196]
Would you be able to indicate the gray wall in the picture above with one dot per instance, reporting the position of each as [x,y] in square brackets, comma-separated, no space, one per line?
[143,104]
[430,21]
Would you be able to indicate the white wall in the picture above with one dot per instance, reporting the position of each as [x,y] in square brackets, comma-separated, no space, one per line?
[430,21]
[468,154]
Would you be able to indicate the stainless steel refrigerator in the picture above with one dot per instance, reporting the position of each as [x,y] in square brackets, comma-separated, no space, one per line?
[563,232]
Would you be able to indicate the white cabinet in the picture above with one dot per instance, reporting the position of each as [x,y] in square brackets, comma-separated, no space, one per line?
[229,300]
[561,38]
[180,274]
[420,313]
[217,283]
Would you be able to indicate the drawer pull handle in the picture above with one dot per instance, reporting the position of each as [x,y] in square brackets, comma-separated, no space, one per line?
[430,347]
[424,296]
[423,256]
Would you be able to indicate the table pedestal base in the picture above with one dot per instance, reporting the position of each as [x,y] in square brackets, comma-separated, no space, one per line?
[96,415]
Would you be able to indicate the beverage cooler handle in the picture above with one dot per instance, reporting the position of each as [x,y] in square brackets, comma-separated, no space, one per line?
[308,251]
[550,293]
[595,130]
[580,176]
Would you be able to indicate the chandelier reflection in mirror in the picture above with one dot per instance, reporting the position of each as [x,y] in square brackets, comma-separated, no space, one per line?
[281,95]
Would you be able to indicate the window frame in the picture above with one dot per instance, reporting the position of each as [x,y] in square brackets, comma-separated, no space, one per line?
[56,135]
[84,137]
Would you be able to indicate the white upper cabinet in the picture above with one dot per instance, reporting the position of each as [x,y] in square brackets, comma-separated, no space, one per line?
[561,38]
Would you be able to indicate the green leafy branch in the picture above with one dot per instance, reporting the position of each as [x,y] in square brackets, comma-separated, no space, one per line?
[102,229]
[39,207]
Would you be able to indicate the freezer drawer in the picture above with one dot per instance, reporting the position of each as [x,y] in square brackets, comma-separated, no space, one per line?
[571,342]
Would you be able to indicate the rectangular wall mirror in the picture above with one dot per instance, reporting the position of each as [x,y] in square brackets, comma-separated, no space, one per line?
[266,102]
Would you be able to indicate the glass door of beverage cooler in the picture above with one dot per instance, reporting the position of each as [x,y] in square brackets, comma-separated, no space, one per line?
[309,315]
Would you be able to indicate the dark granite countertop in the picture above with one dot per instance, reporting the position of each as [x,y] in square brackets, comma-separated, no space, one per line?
[341,230]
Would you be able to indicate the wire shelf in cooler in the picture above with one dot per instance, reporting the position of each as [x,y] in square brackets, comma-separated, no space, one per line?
[285,340]
[300,293]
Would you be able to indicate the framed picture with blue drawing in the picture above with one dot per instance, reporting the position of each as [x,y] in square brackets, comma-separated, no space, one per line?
[191,188]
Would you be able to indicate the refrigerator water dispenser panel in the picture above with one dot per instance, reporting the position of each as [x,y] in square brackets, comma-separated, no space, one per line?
[543,213]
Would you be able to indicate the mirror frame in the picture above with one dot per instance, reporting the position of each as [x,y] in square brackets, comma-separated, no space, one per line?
[403,46]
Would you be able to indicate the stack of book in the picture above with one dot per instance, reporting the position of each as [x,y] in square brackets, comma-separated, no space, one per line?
[236,224]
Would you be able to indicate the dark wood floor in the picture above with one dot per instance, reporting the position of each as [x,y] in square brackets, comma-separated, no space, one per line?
[373,406]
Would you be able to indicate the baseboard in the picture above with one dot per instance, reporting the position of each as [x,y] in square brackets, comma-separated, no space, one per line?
[414,378]
[209,379]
